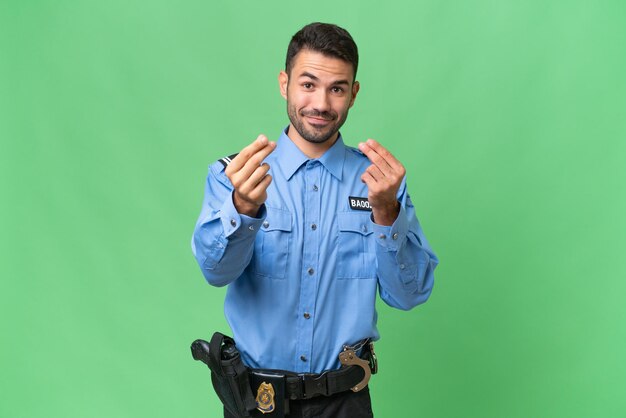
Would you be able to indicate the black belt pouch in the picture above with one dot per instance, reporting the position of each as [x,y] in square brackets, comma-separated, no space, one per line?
[230,376]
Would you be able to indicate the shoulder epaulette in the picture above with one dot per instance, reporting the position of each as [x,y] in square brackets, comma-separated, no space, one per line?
[227,160]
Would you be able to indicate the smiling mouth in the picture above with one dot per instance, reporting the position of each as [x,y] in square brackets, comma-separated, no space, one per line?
[318,121]
[318,118]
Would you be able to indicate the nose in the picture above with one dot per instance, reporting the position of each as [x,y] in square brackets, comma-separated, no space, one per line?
[320,101]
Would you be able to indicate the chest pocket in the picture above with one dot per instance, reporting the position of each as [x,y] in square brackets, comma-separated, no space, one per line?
[271,247]
[357,259]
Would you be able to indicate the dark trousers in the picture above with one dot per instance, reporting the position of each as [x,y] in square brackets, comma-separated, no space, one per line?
[341,405]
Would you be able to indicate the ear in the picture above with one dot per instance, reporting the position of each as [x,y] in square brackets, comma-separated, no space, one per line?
[283,80]
[356,86]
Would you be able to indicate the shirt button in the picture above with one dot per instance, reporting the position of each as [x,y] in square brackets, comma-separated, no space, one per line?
[251,227]
[303,358]
[395,236]
[307,315]
[266,224]
[363,228]
[310,271]
[233,222]
[313,227]
[315,188]
[402,266]
[382,236]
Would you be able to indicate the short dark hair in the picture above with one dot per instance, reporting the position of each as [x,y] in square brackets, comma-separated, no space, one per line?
[328,39]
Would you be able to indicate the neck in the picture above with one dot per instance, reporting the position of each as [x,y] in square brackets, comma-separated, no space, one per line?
[311,149]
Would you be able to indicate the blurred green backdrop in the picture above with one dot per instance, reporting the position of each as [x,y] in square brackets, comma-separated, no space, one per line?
[509,116]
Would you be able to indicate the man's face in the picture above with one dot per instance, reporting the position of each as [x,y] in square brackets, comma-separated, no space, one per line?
[319,92]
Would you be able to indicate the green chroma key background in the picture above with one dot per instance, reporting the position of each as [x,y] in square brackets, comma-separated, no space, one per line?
[510,119]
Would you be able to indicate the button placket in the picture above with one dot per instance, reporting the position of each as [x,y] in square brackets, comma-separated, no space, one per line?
[311,233]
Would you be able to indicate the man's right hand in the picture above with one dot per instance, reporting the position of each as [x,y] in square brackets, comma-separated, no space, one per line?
[249,177]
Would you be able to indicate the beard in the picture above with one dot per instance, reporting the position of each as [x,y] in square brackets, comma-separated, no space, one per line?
[315,135]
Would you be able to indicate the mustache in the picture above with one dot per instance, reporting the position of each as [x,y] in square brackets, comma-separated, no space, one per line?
[317,114]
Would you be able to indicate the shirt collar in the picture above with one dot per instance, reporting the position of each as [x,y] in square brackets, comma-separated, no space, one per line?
[291,158]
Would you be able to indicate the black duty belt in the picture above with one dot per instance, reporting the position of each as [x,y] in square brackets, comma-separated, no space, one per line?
[306,386]
[354,376]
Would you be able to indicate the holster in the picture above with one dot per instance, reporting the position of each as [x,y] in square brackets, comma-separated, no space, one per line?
[230,376]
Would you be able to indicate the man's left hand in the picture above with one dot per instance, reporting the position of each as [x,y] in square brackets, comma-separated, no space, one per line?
[383,179]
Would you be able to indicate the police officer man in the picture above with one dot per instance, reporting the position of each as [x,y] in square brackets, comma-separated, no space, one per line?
[305,231]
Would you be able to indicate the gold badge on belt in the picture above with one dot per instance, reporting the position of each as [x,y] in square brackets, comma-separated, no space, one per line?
[265,398]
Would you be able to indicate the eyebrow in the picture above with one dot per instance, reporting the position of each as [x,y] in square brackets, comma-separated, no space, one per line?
[314,78]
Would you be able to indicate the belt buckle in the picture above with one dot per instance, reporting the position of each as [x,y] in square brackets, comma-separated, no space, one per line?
[315,385]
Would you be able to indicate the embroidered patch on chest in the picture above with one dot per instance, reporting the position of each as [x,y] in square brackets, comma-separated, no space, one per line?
[359,203]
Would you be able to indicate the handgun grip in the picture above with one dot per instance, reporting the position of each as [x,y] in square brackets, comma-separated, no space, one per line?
[200,351]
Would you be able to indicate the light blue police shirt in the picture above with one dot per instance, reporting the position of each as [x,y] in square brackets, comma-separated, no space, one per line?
[302,277]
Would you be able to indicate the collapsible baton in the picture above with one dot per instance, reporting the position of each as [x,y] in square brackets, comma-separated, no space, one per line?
[228,373]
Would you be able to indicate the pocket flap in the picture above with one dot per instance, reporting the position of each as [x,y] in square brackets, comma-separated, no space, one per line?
[354,222]
[277,220]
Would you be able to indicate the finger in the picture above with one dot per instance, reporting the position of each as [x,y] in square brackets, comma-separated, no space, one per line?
[376,173]
[259,194]
[254,179]
[241,176]
[244,155]
[367,178]
[257,159]
[384,153]
[376,158]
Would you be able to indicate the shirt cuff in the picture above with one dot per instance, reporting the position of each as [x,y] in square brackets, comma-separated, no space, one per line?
[391,237]
[233,221]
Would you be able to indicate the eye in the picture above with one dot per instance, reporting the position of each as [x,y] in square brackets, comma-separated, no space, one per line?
[337,89]
[307,85]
